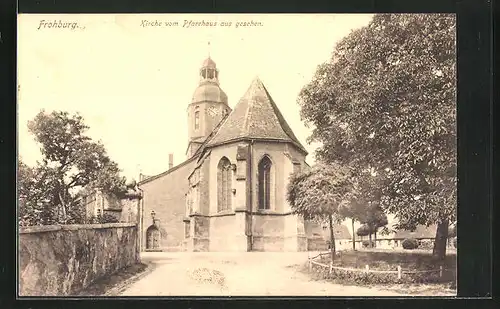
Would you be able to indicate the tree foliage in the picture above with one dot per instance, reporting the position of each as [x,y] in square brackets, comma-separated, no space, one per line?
[374,218]
[319,193]
[363,230]
[386,101]
[452,231]
[71,161]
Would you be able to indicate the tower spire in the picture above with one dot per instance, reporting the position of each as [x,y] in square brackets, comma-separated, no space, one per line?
[209,49]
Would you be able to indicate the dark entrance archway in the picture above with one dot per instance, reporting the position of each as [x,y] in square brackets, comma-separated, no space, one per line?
[153,237]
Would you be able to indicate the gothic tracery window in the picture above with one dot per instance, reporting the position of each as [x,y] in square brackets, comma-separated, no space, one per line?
[265,183]
[224,180]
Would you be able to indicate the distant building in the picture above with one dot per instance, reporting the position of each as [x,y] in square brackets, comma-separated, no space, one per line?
[321,236]
[425,235]
[123,209]
[422,233]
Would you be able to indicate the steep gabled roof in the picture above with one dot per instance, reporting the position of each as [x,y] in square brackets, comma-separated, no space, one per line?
[256,116]
[340,232]
[420,232]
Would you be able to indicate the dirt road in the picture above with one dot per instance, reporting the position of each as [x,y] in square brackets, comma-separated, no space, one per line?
[236,274]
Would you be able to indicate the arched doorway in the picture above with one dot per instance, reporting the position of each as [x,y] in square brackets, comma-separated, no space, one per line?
[153,238]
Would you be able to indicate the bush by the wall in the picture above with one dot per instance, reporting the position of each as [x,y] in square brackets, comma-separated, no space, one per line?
[366,244]
[105,218]
[410,244]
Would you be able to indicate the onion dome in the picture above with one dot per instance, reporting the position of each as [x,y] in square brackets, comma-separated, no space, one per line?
[209,89]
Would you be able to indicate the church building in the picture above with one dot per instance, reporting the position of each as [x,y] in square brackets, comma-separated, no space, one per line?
[230,192]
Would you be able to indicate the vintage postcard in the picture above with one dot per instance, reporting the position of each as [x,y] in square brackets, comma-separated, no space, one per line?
[237,155]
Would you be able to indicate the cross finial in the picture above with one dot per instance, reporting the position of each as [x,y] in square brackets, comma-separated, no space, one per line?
[208,49]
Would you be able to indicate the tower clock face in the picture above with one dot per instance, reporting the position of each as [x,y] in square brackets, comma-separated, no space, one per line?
[212,111]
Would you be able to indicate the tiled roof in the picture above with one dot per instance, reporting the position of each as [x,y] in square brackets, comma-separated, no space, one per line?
[151,178]
[340,232]
[420,232]
[256,116]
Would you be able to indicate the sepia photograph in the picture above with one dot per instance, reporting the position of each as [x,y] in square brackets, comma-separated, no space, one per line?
[237,155]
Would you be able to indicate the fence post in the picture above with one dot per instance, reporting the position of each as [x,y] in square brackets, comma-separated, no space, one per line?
[440,271]
[399,272]
[331,268]
[367,268]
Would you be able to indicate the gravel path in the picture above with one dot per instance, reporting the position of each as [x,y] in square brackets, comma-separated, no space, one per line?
[236,274]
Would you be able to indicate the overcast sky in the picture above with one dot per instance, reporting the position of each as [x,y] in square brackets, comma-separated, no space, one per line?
[132,84]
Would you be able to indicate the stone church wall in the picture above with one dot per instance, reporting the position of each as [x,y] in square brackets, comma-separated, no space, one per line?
[222,233]
[166,195]
[61,260]
[268,233]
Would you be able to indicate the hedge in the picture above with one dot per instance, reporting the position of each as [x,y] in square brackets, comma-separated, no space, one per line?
[346,276]
[410,244]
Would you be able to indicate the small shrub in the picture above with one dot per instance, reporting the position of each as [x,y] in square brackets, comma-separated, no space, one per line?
[366,244]
[106,218]
[410,244]
[455,242]
[426,244]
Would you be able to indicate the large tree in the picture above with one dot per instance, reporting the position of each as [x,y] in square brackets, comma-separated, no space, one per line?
[35,185]
[386,101]
[70,162]
[318,194]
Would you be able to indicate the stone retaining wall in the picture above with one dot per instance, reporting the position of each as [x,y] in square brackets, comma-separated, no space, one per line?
[61,260]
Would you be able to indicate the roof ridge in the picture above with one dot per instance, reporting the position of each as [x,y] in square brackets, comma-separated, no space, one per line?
[248,113]
[281,119]
[166,172]
[256,119]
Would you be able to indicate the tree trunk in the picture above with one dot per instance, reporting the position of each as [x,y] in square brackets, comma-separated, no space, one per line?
[370,240]
[375,237]
[332,237]
[353,236]
[439,250]
[63,208]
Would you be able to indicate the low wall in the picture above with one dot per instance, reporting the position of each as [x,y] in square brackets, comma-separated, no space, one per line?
[61,260]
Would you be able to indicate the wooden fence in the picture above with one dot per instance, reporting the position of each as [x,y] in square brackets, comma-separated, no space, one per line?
[367,269]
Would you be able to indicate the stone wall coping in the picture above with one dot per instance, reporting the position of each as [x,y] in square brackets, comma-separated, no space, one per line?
[72,227]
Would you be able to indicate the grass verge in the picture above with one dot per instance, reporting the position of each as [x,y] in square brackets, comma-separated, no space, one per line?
[424,283]
[113,284]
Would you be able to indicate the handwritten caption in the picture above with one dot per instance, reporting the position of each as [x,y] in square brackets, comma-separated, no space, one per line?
[189,23]
[59,24]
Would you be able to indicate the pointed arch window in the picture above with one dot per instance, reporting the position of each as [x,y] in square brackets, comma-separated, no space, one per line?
[265,183]
[196,118]
[224,183]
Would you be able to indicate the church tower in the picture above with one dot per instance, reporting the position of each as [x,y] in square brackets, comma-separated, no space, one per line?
[207,108]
